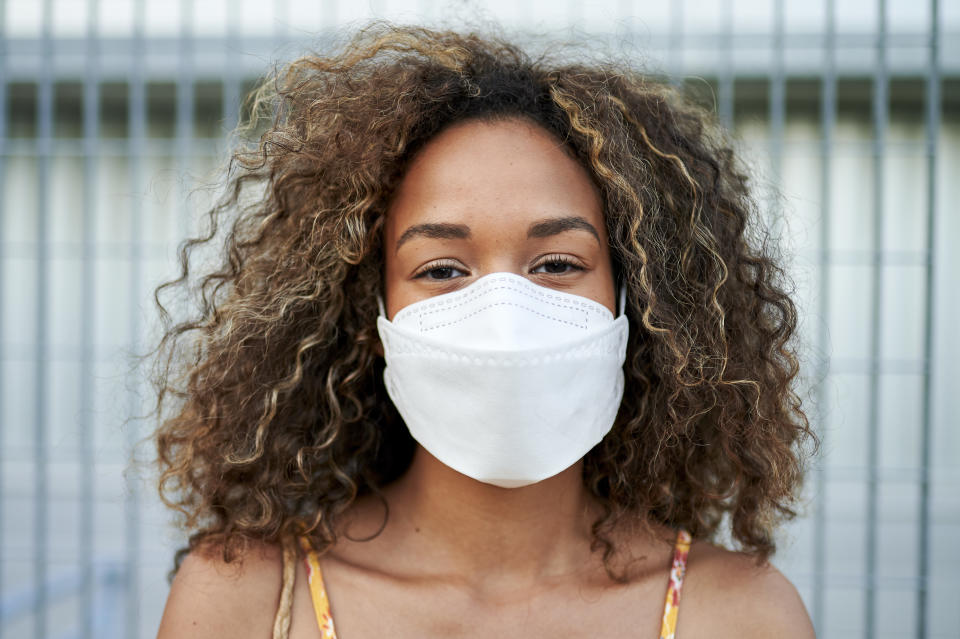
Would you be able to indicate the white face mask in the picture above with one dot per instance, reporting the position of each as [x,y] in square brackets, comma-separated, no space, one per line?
[505,381]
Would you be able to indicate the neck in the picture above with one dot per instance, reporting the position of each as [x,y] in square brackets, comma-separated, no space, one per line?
[466,527]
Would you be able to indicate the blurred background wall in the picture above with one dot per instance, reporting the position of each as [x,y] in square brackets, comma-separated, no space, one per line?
[115,111]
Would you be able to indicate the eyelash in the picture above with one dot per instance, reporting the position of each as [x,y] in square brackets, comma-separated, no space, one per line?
[434,266]
[559,259]
[449,264]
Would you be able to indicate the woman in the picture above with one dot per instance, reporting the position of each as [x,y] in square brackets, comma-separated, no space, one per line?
[494,349]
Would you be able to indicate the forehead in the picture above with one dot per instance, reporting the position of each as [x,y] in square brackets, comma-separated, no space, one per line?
[484,173]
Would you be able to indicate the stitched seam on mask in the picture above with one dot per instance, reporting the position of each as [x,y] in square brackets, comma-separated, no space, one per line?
[566,304]
[554,300]
[546,298]
[586,307]
[488,306]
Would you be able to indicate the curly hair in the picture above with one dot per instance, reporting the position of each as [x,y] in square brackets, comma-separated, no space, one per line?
[273,416]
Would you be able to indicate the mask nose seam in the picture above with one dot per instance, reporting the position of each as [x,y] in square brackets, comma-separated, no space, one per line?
[590,309]
[477,311]
[586,306]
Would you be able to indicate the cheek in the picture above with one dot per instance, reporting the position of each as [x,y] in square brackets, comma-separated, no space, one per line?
[397,292]
[604,286]
[393,290]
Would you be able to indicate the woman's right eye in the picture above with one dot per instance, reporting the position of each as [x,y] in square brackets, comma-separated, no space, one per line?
[438,271]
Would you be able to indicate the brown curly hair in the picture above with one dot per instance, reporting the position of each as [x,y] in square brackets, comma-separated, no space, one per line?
[273,413]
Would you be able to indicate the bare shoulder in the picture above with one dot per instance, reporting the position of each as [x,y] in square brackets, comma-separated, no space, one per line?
[209,597]
[726,594]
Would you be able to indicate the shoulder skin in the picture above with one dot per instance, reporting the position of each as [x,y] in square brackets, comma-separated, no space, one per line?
[726,594]
[210,598]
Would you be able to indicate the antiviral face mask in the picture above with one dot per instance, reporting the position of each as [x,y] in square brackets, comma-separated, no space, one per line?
[505,381]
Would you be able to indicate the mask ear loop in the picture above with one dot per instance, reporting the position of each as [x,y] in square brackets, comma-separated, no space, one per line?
[623,297]
[383,311]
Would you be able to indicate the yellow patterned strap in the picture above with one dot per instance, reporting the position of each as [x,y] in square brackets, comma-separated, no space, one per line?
[321,605]
[671,607]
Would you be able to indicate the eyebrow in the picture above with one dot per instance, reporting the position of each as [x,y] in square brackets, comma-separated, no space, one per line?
[544,228]
[556,225]
[435,230]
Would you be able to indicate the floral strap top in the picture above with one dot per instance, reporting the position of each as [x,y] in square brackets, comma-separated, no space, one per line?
[671,607]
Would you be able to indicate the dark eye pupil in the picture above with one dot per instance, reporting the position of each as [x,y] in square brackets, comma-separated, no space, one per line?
[556,267]
[441,273]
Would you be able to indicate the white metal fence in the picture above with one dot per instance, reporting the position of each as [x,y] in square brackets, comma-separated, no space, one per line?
[111,109]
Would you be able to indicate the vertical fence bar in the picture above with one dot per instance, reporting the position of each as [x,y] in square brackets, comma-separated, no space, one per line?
[91,134]
[3,263]
[725,77]
[185,105]
[137,137]
[926,448]
[41,490]
[778,108]
[879,114]
[231,74]
[828,115]
[675,46]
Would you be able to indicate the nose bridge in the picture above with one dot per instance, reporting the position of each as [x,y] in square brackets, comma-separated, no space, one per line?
[501,264]
[501,247]
[487,263]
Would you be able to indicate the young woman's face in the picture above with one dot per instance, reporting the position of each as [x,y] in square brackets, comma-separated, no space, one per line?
[488,197]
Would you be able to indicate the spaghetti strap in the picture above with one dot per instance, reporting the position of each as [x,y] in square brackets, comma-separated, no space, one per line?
[671,607]
[321,604]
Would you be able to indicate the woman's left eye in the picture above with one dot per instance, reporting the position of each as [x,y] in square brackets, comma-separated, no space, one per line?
[557,266]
